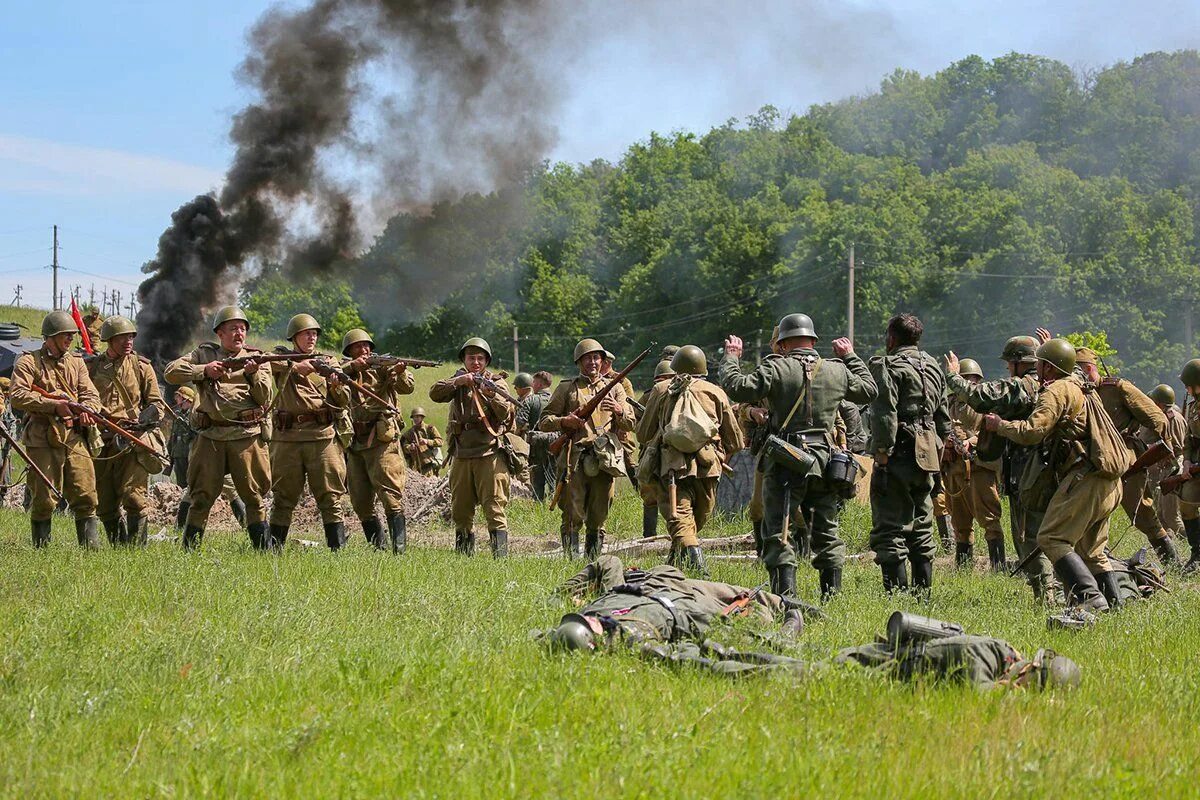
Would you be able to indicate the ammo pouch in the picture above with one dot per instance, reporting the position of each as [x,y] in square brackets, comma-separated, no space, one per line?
[608,456]
[841,473]
[515,451]
[649,461]
[793,457]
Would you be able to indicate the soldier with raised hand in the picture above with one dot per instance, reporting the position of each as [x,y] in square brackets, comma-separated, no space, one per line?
[479,475]
[529,414]
[1166,506]
[374,460]
[420,443]
[909,422]
[648,490]
[587,489]
[802,392]
[128,391]
[54,436]
[229,420]
[694,473]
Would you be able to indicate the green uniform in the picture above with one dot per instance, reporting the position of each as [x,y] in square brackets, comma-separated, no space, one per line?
[909,421]
[972,485]
[541,467]
[981,661]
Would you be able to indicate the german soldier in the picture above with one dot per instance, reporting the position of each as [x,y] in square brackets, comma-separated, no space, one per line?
[54,436]
[909,421]
[374,461]
[802,391]
[420,444]
[479,419]
[529,414]
[229,419]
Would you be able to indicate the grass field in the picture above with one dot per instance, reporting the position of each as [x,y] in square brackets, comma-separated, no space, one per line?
[154,673]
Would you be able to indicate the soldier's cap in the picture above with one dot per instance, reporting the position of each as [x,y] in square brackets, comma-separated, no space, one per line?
[187,393]
[417,412]
[1085,355]
[608,356]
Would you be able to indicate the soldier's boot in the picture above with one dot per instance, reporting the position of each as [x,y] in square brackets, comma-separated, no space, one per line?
[964,554]
[693,556]
[1110,589]
[1191,528]
[565,539]
[758,539]
[1164,548]
[335,535]
[499,542]
[922,576]
[895,576]
[181,514]
[593,544]
[831,583]
[1079,585]
[269,537]
[373,530]
[674,554]
[793,624]
[783,580]
[398,530]
[88,533]
[460,542]
[573,543]
[943,526]
[996,557]
[112,529]
[239,511]
[649,521]
[137,527]
[41,532]
[192,536]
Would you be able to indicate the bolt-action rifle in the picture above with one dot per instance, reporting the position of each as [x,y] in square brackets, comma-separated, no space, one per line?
[11,441]
[585,412]
[106,421]
[387,360]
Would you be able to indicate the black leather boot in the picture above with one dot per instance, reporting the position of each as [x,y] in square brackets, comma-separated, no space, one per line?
[239,511]
[270,537]
[943,526]
[783,580]
[136,530]
[112,529]
[41,532]
[996,555]
[793,624]
[335,535]
[694,558]
[1079,585]
[758,539]
[1191,529]
[594,543]
[895,576]
[373,530]
[964,554]
[1110,589]
[181,514]
[922,575]
[831,583]
[649,521]
[499,542]
[1164,548]
[573,541]
[193,535]
[398,531]
[88,533]
[460,543]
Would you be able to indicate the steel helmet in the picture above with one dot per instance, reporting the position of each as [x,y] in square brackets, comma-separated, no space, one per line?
[587,346]
[575,632]
[690,360]
[187,393]
[1022,349]
[796,325]
[669,352]
[354,336]
[116,326]
[57,322]
[663,369]
[1059,353]
[475,341]
[417,412]
[969,366]
[228,314]
[523,381]
[1190,374]
[1056,670]
[1162,394]
[301,323]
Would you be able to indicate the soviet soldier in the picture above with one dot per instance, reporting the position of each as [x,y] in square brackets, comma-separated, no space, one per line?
[972,483]
[229,420]
[1074,530]
[1175,437]
[129,392]
[54,436]
[1130,410]
[529,414]
[420,444]
[479,420]
[1186,482]
[179,446]
[688,471]
[587,466]
[909,422]
[374,460]
[648,490]
[1011,398]
[802,392]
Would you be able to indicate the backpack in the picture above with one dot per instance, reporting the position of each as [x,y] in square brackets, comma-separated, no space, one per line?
[1106,448]
[688,427]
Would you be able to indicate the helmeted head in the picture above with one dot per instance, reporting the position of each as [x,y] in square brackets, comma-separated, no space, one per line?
[523,381]
[229,314]
[58,329]
[357,336]
[1055,670]
[417,414]
[589,354]
[1163,395]
[663,371]
[117,326]
[475,354]
[969,367]
[796,326]
[303,330]
[668,352]
[576,632]
[690,360]
[186,393]
[1190,376]
[1086,360]
[1020,350]
[1056,358]
[231,325]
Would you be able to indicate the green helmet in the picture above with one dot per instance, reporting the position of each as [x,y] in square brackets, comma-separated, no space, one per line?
[1058,353]
[1022,349]
[301,323]
[796,325]
[1056,670]
[969,366]
[669,352]
[354,336]
[1190,374]
[475,341]
[57,322]
[587,346]
[523,381]
[690,360]
[1162,394]
[417,412]
[115,326]
[663,368]
[574,633]
[226,314]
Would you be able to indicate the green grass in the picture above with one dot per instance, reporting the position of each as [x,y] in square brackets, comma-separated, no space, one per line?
[153,673]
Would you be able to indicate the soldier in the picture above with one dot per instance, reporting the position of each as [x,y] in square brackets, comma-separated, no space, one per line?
[1166,505]
[374,464]
[1074,528]
[179,447]
[802,392]
[480,417]
[585,465]
[529,414]
[128,390]
[54,436]
[1187,485]
[909,421]
[1012,398]
[689,475]
[420,444]
[1130,409]
[649,489]
[229,419]
[972,484]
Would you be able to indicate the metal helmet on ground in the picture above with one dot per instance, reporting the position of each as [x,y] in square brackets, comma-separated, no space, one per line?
[1022,349]
[1162,394]
[228,314]
[354,336]
[663,368]
[690,360]
[417,412]
[301,323]
[1056,670]
[575,632]
[57,322]
[797,325]
[116,326]
[969,366]
[1190,374]
[523,381]
[587,346]
[669,352]
[475,341]
[1058,353]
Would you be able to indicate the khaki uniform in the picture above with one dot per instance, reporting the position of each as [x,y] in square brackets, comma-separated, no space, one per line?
[1077,516]
[972,486]
[127,387]
[1167,505]
[374,460]
[229,419]
[419,446]
[1130,410]
[479,475]
[59,448]
[541,466]
[585,499]
[695,474]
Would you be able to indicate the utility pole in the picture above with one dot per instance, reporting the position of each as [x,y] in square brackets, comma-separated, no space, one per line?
[54,266]
[850,295]
[516,350]
[17,300]
[758,345]
[92,296]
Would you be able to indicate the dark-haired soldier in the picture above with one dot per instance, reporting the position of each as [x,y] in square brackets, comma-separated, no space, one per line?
[529,414]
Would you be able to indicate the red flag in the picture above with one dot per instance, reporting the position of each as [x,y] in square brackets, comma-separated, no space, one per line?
[83,331]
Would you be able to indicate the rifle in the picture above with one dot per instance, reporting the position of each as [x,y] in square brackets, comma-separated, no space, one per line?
[387,360]
[106,421]
[488,382]
[741,604]
[590,406]
[264,358]
[10,441]
[1173,483]
[1154,454]
[1026,561]
[638,407]
[326,369]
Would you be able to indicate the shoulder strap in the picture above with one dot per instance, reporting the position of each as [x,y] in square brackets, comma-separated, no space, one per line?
[805,394]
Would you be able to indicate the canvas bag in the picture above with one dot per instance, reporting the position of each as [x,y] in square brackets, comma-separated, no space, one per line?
[689,427]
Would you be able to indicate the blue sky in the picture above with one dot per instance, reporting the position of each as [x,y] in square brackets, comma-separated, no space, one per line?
[111,115]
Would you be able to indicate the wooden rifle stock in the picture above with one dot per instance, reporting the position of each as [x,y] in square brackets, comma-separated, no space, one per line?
[106,421]
[12,442]
[590,407]
[1154,454]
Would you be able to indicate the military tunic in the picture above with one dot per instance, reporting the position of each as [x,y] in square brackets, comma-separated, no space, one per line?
[1131,410]
[419,443]
[1167,506]
[541,467]
[981,661]
[375,461]
[972,485]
